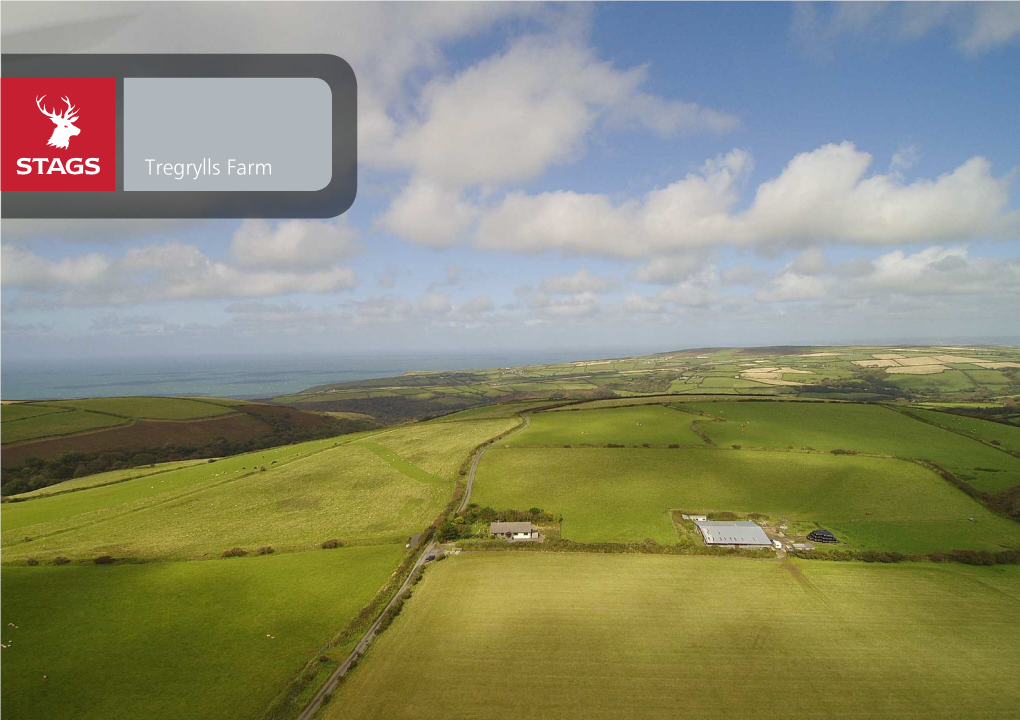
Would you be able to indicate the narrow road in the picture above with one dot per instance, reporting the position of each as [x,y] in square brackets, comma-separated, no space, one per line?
[474,465]
[359,649]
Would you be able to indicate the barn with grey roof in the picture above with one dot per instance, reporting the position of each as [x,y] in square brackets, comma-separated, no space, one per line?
[733,532]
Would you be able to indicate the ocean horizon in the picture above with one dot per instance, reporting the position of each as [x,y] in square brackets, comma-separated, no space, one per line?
[246,377]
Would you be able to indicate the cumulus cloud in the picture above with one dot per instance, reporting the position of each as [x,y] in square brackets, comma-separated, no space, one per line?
[509,117]
[292,244]
[821,196]
[580,282]
[170,271]
[429,214]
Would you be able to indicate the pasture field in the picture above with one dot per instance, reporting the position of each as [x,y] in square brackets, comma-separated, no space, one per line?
[46,515]
[175,640]
[22,411]
[619,636]
[105,478]
[56,423]
[152,408]
[866,428]
[348,492]
[624,495]
[1007,436]
[438,447]
[374,489]
[653,424]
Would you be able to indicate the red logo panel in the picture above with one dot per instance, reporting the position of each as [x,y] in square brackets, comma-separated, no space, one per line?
[58,134]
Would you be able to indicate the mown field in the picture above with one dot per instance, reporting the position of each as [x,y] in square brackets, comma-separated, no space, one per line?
[624,495]
[653,424]
[620,636]
[175,640]
[866,428]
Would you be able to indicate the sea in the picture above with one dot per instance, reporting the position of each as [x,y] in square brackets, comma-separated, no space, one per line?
[247,377]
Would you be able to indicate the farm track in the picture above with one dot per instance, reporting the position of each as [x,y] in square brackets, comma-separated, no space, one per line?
[330,685]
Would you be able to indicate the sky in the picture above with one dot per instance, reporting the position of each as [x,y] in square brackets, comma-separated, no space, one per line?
[572,177]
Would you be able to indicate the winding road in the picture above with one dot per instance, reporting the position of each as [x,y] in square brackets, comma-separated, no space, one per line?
[359,649]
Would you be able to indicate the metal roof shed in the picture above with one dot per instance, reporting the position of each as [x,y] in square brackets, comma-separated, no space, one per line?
[735,532]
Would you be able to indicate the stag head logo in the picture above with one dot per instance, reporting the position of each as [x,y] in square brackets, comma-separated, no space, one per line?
[64,121]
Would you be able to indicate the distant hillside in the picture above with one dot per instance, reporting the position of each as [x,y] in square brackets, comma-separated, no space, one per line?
[989,375]
[47,442]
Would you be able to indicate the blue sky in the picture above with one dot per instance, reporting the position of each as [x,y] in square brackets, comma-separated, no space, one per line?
[619,175]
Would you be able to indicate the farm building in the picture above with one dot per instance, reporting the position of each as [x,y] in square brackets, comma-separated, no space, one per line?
[733,532]
[513,530]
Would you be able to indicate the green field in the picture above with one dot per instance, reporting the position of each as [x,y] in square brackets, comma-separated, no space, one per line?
[1006,436]
[106,478]
[152,408]
[30,421]
[439,448]
[57,423]
[866,428]
[374,490]
[59,513]
[175,640]
[622,636]
[346,492]
[624,495]
[652,424]
[22,411]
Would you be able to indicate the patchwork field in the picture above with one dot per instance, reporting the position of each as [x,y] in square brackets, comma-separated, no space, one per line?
[619,636]
[624,495]
[652,424]
[175,640]
[866,428]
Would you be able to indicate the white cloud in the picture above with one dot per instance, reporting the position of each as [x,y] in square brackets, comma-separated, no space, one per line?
[794,286]
[580,282]
[509,117]
[292,244]
[978,26]
[22,268]
[429,214]
[821,196]
[666,270]
[170,271]
[995,24]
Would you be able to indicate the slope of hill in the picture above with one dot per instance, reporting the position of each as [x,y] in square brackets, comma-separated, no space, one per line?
[47,442]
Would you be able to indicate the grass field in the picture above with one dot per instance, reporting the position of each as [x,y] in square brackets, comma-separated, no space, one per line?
[347,493]
[57,423]
[1007,436]
[105,478]
[374,490]
[624,495]
[152,408]
[867,428]
[175,640]
[617,636]
[22,411]
[59,513]
[439,448]
[652,424]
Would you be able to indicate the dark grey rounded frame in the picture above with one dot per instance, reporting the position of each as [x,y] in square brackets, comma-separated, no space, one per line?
[330,201]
